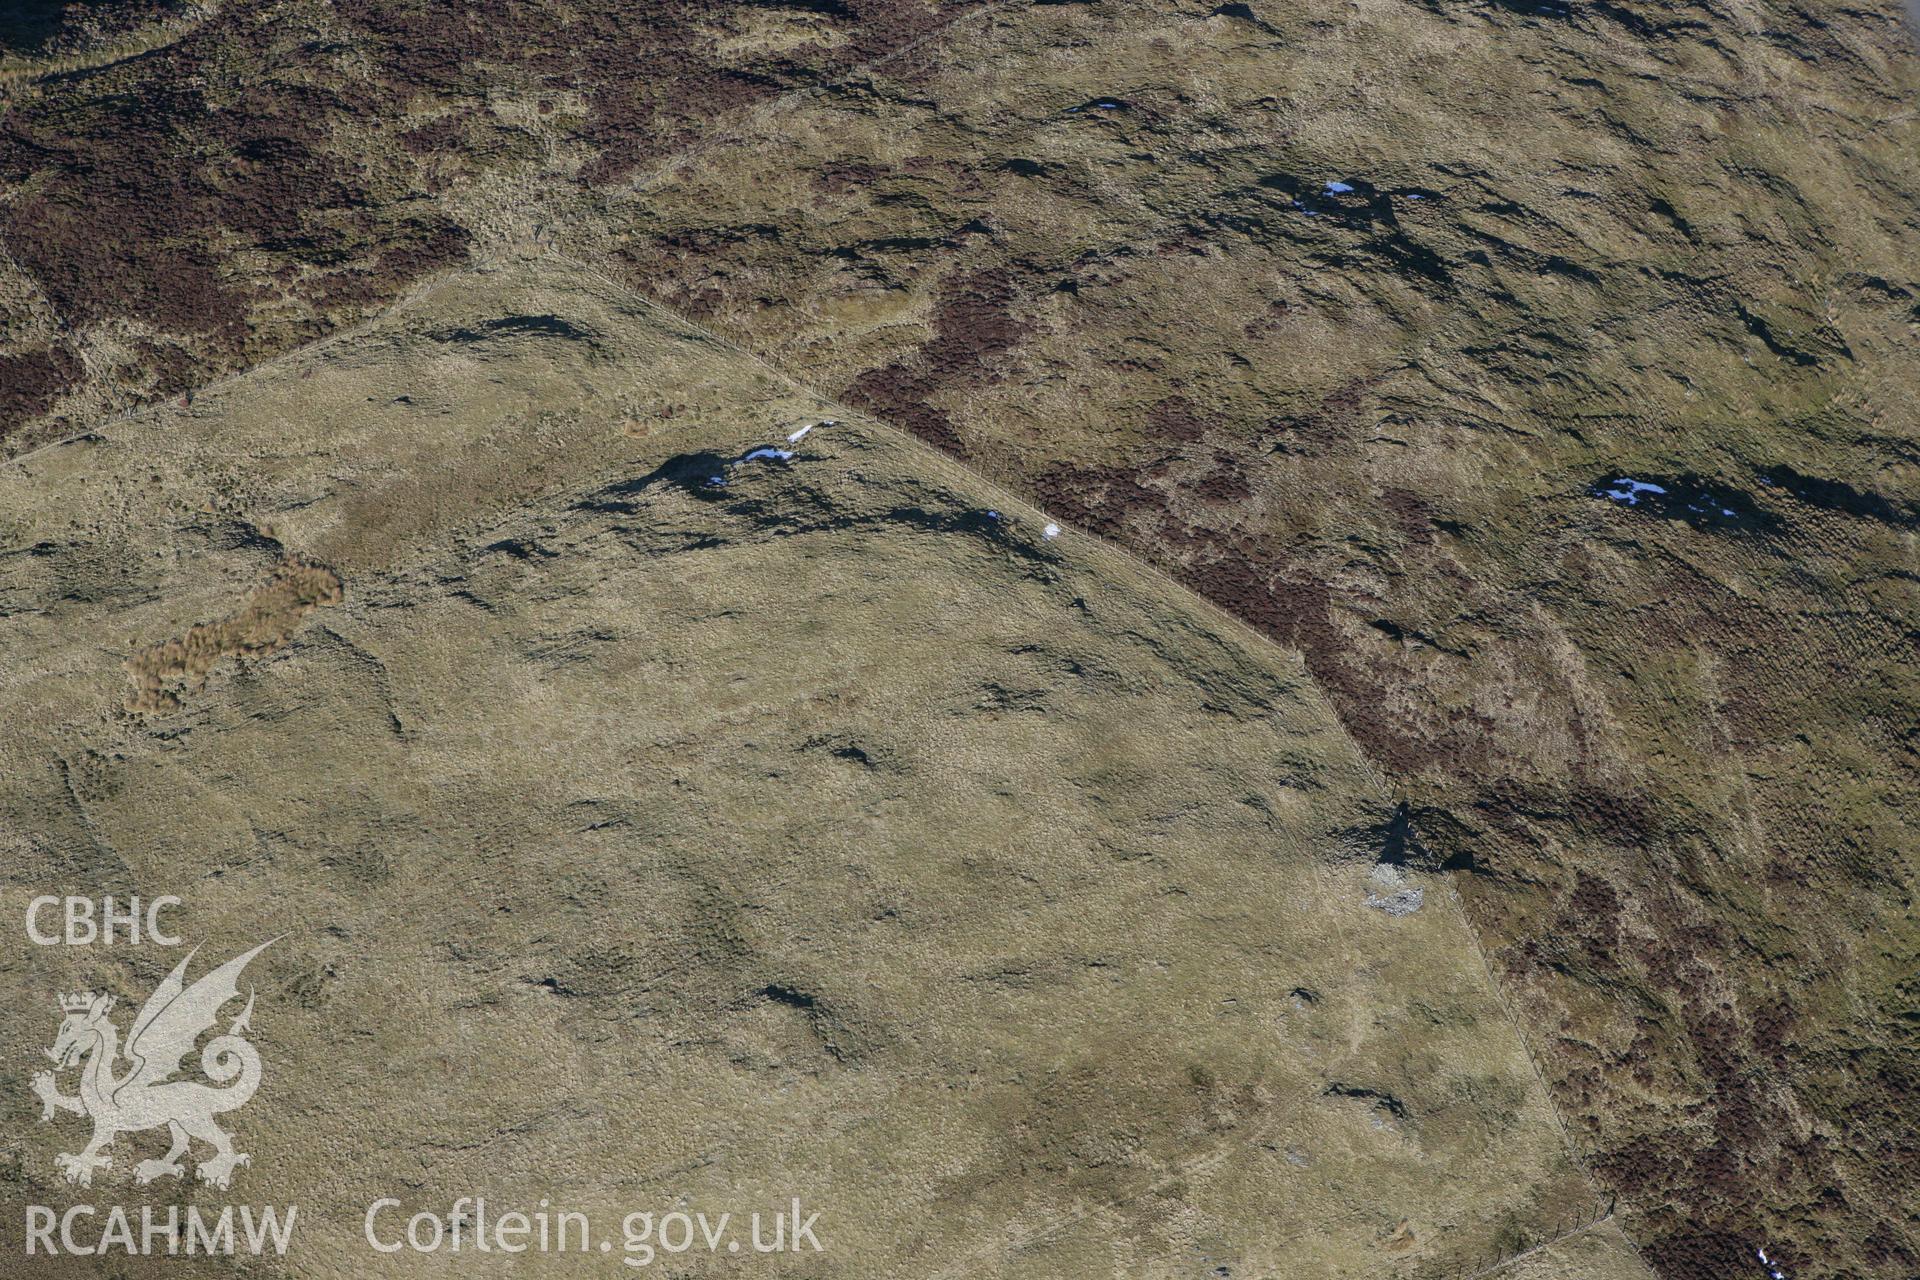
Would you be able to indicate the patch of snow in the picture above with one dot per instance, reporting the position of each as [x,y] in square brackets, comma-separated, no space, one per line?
[766,451]
[1051,531]
[993,515]
[800,435]
[1338,188]
[716,482]
[1628,491]
[1415,195]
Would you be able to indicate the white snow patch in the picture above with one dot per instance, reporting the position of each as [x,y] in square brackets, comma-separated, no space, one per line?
[1628,491]
[1051,531]
[1338,188]
[766,451]
[801,434]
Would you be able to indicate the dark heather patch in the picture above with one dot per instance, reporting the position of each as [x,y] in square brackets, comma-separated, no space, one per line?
[135,190]
[1309,435]
[1702,1255]
[1098,499]
[844,176]
[1225,483]
[129,178]
[1410,513]
[447,133]
[900,395]
[972,324]
[638,121]
[1287,600]
[30,381]
[62,28]
[1179,418]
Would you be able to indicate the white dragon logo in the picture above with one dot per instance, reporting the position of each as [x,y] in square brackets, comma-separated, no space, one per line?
[144,1096]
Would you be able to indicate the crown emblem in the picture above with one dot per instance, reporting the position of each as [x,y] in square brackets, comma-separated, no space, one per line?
[76,1002]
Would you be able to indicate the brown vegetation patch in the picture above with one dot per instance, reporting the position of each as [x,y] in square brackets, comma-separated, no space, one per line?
[1098,499]
[262,625]
[30,381]
[138,185]
[1225,483]
[1179,418]
[690,71]
[973,323]
[50,30]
